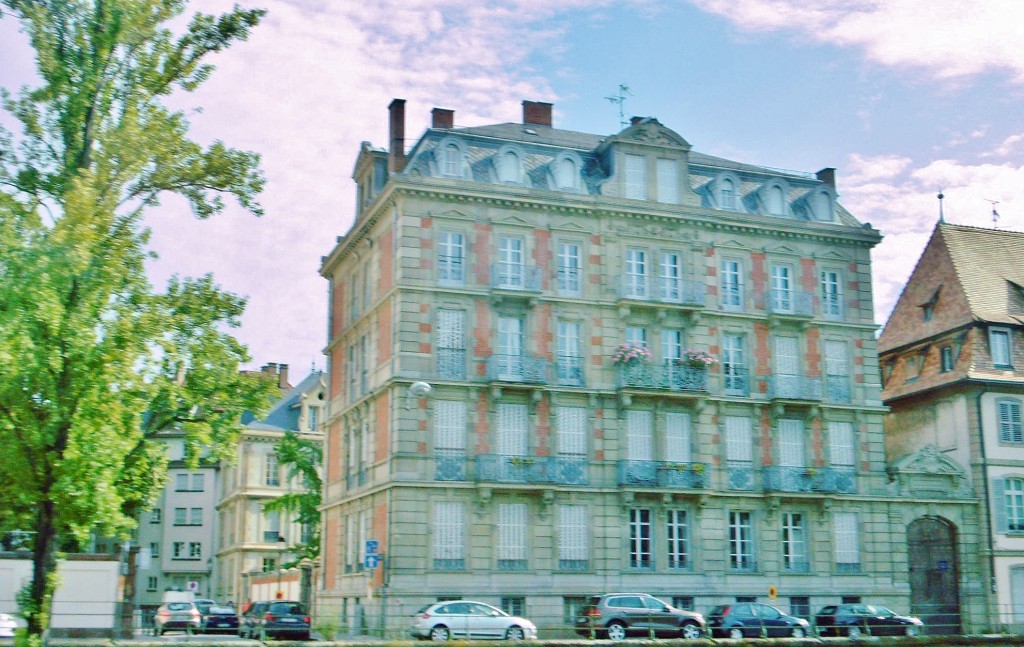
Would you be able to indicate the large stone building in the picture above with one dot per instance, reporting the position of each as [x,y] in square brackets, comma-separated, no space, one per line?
[952,358]
[490,435]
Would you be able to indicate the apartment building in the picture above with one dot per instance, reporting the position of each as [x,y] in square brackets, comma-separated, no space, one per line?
[563,363]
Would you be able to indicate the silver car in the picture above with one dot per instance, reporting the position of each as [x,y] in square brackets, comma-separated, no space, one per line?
[176,615]
[470,620]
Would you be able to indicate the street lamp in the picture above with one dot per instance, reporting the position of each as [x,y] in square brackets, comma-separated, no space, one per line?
[282,544]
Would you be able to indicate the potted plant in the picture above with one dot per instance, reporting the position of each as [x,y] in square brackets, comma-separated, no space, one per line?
[631,354]
[694,358]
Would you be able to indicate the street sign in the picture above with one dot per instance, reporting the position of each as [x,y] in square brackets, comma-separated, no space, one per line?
[773,592]
[371,561]
[372,546]
[193,586]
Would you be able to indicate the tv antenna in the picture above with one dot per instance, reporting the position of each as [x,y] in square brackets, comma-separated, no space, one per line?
[620,99]
[995,214]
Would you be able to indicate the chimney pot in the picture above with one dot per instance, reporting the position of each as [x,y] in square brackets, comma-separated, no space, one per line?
[537,113]
[282,377]
[443,118]
[635,120]
[828,176]
[396,147]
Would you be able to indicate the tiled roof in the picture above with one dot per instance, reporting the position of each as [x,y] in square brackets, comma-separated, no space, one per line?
[987,263]
[284,414]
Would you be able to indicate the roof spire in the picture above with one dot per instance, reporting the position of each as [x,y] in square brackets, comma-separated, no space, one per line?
[942,216]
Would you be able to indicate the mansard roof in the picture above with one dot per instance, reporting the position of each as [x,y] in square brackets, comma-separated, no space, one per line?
[987,262]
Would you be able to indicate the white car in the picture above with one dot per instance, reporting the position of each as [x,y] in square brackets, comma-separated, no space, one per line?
[470,620]
[7,626]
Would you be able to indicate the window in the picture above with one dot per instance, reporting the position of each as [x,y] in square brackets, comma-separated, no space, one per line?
[180,516]
[271,526]
[195,550]
[640,538]
[684,602]
[999,343]
[450,438]
[511,537]
[271,472]
[268,564]
[451,344]
[741,541]
[946,359]
[154,549]
[509,167]
[570,274]
[639,433]
[181,482]
[451,161]
[668,181]
[155,515]
[178,550]
[569,364]
[572,433]
[636,335]
[511,273]
[678,540]
[573,543]
[636,177]
[792,452]
[837,371]
[449,536]
[311,417]
[841,444]
[726,194]
[670,277]
[572,607]
[677,437]
[195,517]
[567,174]
[782,289]
[512,429]
[775,199]
[450,258]
[636,274]
[832,295]
[1010,429]
[794,543]
[1013,497]
[671,345]
[800,606]
[198,482]
[732,285]
[152,583]
[514,606]
[734,369]
[847,542]
[738,442]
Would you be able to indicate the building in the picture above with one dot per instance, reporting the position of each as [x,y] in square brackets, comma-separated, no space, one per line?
[253,541]
[493,431]
[952,358]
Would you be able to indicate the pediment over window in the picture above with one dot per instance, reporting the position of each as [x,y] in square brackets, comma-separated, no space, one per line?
[509,164]
[818,204]
[929,472]
[565,172]
[773,198]
[724,192]
[649,130]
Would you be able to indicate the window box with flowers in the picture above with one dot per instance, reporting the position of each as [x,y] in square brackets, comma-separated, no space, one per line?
[699,359]
[633,361]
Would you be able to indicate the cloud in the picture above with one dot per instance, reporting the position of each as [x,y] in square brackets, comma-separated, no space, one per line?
[948,39]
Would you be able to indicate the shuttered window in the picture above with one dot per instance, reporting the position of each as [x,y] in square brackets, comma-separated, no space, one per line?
[639,428]
[677,437]
[573,542]
[571,432]
[787,359]
[511,536]
[792,452]
[449,535]
[1008,496]
[847,541]
[450,426]
[512,429]
[668,181]
[738,442]
[836,360]
[1010,429]
[841,444]
[451,329]
[636,177]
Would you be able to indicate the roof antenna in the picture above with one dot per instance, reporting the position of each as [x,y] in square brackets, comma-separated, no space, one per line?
[620,99]
[942,216]
[995,214]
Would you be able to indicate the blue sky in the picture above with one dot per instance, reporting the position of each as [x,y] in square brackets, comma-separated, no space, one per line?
[902,97]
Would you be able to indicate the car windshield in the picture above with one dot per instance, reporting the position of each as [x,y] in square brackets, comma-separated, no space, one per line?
[179,606]
[884,612]
[216,609]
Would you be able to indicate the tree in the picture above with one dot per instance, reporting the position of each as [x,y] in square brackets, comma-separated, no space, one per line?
[94,362]
[303,458]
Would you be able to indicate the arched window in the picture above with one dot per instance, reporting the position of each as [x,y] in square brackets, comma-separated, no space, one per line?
[451,164]
[776,201]
[509,167]
[566,173]
[727,194]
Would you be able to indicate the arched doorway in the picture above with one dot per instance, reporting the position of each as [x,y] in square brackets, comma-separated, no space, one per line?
[934,574]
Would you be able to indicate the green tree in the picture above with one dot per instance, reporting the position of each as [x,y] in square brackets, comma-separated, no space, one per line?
[303,458]
[94,362]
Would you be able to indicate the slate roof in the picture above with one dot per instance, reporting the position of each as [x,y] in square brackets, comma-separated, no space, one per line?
[989,264]
[284,414]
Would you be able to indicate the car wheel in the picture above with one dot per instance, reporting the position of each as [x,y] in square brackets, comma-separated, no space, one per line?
[616,631]
[798,632]
[515,633]
[690,631]
[736,633]
[439,633]
[912,631]
[854,632]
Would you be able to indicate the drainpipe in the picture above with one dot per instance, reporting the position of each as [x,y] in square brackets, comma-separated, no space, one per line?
[988,502]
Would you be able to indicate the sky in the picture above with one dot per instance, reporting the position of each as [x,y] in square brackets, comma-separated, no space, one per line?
[905,98]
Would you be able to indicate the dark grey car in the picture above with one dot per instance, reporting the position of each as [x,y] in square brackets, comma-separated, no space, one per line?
[275,619]
[617,615]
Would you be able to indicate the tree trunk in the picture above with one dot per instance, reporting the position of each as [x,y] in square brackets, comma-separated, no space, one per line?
[44,570]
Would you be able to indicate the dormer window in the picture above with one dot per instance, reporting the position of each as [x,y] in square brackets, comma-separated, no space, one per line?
[668,181]
[636,177]
[773,198]
[724,192]
[727,195]
[821,204]
[451,158]
[565,170]
[509,163]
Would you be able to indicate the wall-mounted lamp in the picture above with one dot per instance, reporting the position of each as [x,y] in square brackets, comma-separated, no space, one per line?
[417,390]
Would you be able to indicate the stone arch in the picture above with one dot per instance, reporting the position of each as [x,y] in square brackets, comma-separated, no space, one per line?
[934,574]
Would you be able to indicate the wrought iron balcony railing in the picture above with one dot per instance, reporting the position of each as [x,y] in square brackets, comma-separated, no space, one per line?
[662,289]
[569,370]
[663,377]
[740,477]
[662,474]
[451,363]
[515,276]
[794,387]
[498,468]
[837,388]
[735,380]
[809,479]
[517,368]
[449,465]
[789,302]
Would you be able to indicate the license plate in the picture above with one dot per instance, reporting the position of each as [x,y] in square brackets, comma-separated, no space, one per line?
[288,620]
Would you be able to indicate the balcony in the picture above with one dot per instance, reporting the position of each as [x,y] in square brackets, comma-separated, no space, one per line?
[794,387]
[451,363]
[676,291]
[789,303]
[837,388]
[515,277]
[522,369]
[809,479]
[497,468]
[662,474]
[740,477]
[664,377]
[450,465]
[735,380]
[569,370]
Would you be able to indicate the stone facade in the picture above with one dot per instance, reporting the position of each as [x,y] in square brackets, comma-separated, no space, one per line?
[504,266]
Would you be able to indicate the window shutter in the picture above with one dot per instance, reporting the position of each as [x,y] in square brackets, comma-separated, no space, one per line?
[512,531]
[836,361]
[668,181]
[787,356]
[451,327]
[450,426]
[738,443]
[847,541]
[1010,427]
[999,501]
[636,177]
[512,424]
[572,532]
[791,443]
[638,436]
[677,437]
[448,530]
[572,431]
[841,445]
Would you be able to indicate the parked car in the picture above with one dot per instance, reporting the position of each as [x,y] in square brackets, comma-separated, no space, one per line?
[216,618]
[275,619]
[183,616]
[7,626]
[855,620]
[754,620]
[469,619]
[617,615]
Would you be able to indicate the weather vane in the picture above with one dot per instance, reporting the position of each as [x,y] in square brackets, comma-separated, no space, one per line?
[620,99]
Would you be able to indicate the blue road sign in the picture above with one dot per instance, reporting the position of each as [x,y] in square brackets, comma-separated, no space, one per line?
[371,561]
[372,546]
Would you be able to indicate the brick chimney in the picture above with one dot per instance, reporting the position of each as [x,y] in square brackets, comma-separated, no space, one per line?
[442,118]
[537,113]
[828,176]
[282,377]
[635,120]
[396,147]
